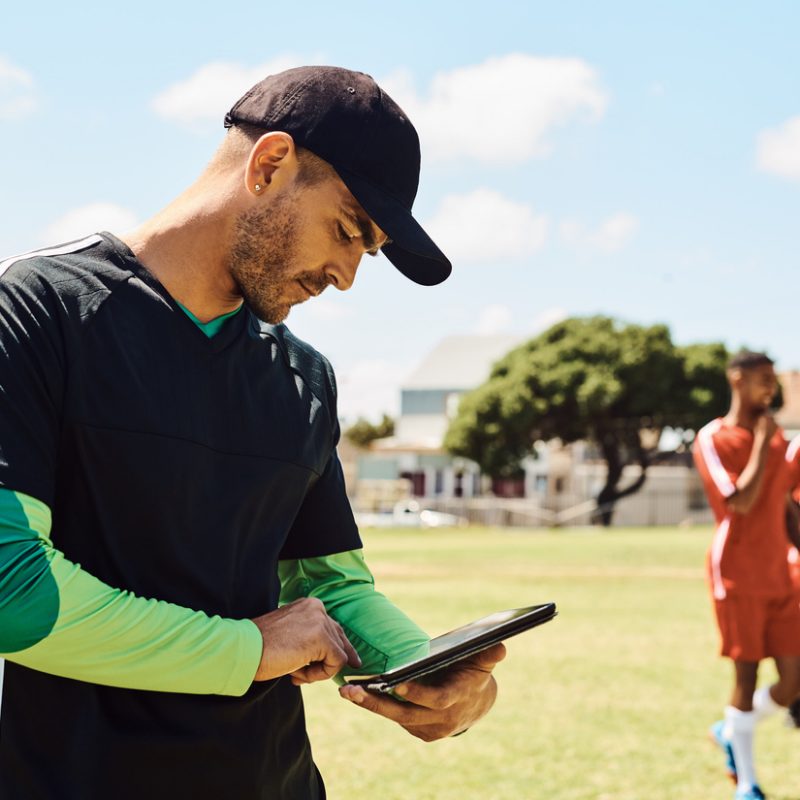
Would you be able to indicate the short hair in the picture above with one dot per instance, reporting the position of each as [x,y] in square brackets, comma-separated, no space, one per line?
[748,359]
[313,169]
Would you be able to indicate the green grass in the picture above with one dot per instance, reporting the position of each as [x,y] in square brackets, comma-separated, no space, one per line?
[610,701]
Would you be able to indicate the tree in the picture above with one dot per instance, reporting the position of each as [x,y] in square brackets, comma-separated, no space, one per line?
[590,379]
[362,432]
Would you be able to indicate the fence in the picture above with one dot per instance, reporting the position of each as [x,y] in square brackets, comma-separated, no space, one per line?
[642,509]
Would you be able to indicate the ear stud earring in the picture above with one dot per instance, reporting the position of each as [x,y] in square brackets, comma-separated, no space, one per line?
[257,187]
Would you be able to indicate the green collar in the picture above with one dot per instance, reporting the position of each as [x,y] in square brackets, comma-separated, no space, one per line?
[212,327]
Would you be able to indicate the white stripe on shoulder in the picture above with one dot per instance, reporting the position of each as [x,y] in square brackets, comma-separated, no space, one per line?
[718,473]
[791,450]
[61,250]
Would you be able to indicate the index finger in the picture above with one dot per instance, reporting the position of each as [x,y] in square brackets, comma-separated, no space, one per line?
[353,658]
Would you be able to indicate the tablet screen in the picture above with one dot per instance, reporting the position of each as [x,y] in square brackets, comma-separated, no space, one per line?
[466,632]
[458,644]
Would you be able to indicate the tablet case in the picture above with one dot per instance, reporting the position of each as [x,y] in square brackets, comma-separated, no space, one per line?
[466,641]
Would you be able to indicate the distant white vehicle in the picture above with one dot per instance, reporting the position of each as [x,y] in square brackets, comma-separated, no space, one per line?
[408,514]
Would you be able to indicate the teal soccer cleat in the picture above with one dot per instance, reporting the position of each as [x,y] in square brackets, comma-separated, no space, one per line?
[718,737]
[753,793]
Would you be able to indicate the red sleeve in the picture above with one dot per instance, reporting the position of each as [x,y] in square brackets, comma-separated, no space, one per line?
[793,466]
[714,463]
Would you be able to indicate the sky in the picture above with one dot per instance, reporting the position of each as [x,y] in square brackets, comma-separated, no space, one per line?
[622,158]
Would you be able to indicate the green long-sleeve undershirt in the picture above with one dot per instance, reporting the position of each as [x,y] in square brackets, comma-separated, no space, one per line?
[382,635]
[56,617]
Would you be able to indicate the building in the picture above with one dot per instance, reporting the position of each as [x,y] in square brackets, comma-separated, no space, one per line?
[789,415]
[560,483]
[428,401]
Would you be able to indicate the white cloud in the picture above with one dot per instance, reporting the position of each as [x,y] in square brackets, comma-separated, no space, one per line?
[90,219]
[615,232]
[609,237]
[494,319]
[571,231]
[497,111]
[778,150]
[370,388]
[206,95]
[483,225]
[500,111]
[17,95]
[548,318]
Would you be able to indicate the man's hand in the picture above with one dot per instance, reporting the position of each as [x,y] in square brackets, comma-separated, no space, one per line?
[301,640]
[765,427]
[748,484]
[450,703]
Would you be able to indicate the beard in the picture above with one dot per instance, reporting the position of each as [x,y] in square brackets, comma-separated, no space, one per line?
[262,260]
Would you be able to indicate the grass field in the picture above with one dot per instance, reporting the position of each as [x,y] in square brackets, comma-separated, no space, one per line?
[611,701]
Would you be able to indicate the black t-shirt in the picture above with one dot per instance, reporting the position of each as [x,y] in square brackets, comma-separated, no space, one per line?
[178,467]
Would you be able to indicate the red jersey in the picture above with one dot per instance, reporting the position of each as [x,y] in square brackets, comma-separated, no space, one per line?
[793,460]
[748,553]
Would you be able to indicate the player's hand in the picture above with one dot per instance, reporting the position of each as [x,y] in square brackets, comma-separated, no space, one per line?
[765,427]
[451,702]
[301,640]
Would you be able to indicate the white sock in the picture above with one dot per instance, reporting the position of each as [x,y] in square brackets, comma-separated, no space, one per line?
[763,704]
[739,727]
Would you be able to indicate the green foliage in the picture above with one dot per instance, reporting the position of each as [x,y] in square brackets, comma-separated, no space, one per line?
[702,392]
[362,432]
[587,378]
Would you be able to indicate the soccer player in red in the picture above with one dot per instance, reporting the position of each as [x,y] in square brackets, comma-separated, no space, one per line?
[793,513]
[741,458]
[793,529]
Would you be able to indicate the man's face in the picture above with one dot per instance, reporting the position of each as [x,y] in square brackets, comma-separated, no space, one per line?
[756,387]
[308,237]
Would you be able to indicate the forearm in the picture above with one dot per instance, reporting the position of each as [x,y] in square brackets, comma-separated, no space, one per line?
[748,484]
[381,633]
[57,618]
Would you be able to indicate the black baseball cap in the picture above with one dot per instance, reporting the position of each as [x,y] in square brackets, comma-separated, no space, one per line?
[346,119]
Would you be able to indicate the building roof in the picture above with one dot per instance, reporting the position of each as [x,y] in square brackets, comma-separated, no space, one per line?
[461,362]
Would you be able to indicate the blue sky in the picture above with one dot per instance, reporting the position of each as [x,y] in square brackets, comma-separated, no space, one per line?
[578,158]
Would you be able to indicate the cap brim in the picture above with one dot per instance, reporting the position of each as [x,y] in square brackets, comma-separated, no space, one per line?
[411,250]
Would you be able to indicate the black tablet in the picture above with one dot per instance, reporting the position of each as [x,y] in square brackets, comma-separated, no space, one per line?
[459,643]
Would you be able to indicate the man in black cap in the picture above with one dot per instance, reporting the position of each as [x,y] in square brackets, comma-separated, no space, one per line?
[177,552]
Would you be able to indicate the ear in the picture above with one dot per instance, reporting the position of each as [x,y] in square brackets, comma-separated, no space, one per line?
[272,158]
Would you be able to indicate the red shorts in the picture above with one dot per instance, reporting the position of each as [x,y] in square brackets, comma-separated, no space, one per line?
[754,628]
